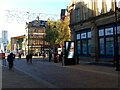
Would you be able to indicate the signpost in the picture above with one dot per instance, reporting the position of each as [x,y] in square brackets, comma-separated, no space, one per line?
[69,52]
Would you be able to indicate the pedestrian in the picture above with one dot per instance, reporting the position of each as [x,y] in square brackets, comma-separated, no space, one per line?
[27,58]
[19,55]
[3,59]
[55,56]
[30,57]
[61,56]
[44,55]
[50,55]
[10,59]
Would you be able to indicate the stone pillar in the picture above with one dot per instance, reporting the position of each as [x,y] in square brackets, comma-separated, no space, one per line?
[113,5]
[72,34]
[94,41]
[104,6]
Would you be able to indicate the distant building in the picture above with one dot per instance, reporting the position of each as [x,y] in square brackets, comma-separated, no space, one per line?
[35,32]
[17,43]
[0,40]
[1,45]
[4,39]
[62,15]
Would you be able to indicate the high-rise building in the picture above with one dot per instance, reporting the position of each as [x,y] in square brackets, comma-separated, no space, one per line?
[4,38]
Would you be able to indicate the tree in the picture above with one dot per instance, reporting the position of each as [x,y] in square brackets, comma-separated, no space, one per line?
[57,32]
[64,31]
[51,32]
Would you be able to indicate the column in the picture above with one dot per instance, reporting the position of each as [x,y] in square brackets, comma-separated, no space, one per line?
[112,5]
[94,42]
[104,6]
[73,34]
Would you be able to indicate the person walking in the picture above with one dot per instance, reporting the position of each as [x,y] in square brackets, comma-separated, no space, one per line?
[27,58]
[30,57]
[3,59]
[10,59]
[50,55]
[55,56]
[19,55]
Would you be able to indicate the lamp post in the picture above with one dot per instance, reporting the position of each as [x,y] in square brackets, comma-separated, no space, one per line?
[116,53]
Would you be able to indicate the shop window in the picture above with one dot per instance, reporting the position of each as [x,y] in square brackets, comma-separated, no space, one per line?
[84,46]
[78,47]
[109,46]
[101,32]
[101,46]
[78,36]
[89,46]
[83,35]
[89,34]
[109,31]
[119,44]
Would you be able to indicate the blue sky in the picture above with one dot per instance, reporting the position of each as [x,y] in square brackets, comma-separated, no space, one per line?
[42,6]
[35,6]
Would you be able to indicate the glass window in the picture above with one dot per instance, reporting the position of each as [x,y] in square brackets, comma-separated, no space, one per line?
[119,44]
[78,15]
[101,32]
[109,31]
[84,46]
[89,34]
[101,46]
[78,36]
[89,46]
[78,47]
[109,46]
[85,12]
[83,35]
[118,29]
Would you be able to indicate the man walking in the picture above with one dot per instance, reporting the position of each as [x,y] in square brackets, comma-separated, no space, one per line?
[50,55]
[10,60]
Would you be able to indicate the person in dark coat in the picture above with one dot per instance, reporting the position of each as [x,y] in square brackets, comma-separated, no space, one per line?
[10,59]
[30,58]
[27,58]
[55,56]
[50,55]
[19,55]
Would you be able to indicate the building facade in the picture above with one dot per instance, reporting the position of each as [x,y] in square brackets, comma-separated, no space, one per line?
[94,29]
[35,32]
[4,39]
[18,44]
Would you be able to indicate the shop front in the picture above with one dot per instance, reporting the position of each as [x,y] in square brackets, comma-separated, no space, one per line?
[104,41]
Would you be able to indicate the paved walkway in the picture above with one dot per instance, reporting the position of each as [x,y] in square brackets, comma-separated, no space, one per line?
[17,79]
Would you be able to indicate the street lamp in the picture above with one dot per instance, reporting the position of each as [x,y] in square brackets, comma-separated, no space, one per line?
[116,53]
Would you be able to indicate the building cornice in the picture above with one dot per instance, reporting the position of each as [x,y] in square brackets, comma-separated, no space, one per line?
[93,18]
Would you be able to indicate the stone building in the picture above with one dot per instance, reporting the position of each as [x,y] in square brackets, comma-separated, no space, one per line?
[17,43]
[93,28]
[35,32]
